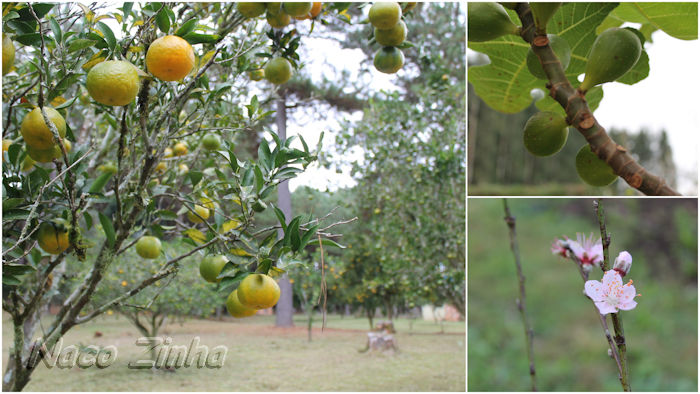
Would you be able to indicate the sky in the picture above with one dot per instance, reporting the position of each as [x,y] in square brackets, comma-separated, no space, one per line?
[665,100]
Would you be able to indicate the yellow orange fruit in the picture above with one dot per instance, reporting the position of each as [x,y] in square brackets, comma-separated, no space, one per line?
[278,70]
[8,54]
[180,149]
[235,308]
[35,131]
[114,82]
[297,8]
[315,10]
[170,58]
[52,238]
[251,9]
[278,20]
[211,267]
[201,211]
[148,247]
[391,37]
[258,291]
[384,14]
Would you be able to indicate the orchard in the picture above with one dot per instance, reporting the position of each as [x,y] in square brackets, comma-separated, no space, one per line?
[147,167]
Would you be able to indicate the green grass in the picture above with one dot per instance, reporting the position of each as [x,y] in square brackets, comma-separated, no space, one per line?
[570,349]
[262,357]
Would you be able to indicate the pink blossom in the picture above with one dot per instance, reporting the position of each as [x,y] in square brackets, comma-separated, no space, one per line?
[611,295]
[587,251]
[559,247]
[623,263]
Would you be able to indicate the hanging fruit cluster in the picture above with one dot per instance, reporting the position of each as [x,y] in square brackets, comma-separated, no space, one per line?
[390,32]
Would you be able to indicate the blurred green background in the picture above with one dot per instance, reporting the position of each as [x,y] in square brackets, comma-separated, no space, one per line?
[570,348]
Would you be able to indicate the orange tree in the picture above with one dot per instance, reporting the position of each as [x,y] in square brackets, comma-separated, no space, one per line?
[126,156]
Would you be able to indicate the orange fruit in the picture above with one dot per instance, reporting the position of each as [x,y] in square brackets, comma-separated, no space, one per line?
[297,8]
[278,70]
[52,238]
[201,211]
[211,267]
[8,54]
[315,10]
[44,155]
[256,75]
[211,142]
[161,167]
[35,131]
[278,20]
[5,146]
[170,58]
[384,15]
[148,247]
[391,37]
[251,9]
[180,149]
[168,152]
[235,308]
[114,82]
[388,60]
[258,291]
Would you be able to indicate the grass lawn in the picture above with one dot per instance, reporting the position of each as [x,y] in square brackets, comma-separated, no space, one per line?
[262,357]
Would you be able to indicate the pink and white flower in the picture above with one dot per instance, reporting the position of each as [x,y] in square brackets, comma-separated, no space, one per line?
[560,247]
[588,251]
[611,294]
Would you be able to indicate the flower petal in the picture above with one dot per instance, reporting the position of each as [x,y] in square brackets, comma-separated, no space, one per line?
[626,306]
[612,279]
[595,290]
[604,308]
[627,294]
[577,249]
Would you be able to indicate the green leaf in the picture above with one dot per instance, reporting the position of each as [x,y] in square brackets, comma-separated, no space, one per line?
[327,242]
[163,20]
[294,237]
[31,39]
[10,280]
[637,73]
[17,269]
[100,183]
[679,20]
[126,9]
[264,155]
[11,203]
[108,227]
[186,27]
[197,38]
[15,214]
[280,217]
[195,177]
[505,83]
[307,236]
[108,35]
[88,220]
[56,29]
[80,43]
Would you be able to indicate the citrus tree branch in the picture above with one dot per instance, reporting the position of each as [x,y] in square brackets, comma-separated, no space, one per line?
[580,116]
[520,302]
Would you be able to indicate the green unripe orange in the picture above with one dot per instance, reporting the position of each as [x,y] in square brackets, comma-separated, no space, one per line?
[545,133]
[235,308]
[385,14]
[211,142]
[211,267]
[251,9]
[388,60]
[592,169]
[542,13]
[615,51]
[35,131]
[297,8]
[8,54]
[52,238]
[561,49]
[278,20]
[391,37]
[44,155]
[278,70]
[148,247]
[488,21]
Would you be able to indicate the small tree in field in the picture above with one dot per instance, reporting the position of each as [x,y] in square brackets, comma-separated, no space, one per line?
[117,133]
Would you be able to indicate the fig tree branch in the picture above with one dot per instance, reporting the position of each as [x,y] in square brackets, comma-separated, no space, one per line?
[520,302]
[580,116]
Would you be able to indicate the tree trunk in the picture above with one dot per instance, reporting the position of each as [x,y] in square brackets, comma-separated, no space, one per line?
[285,309]
[370,316]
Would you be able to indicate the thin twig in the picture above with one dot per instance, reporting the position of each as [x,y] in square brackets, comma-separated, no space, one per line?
[520,302]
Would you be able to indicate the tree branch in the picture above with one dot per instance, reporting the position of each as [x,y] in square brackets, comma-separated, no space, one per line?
[580,116]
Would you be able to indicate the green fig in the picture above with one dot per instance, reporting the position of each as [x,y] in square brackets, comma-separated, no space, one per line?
[592,169]
[542,13]
[545,133]
[615,51]
[560,48]
[488,21]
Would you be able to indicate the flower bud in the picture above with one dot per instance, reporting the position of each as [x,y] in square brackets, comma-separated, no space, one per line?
[623,263]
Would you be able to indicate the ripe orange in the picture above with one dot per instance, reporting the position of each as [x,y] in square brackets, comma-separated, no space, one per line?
[114,82]
[201,211]
[235,308]
[278,70]
[391,37]
[52,238]
[251,9]
[168,152]
[384,15]
[258,291]
[148,247]
[170,58]
[297,8]
[35,131]
[388,60]
[211,267]
[8,54]
[180,149]
[161,167]
[315,10]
